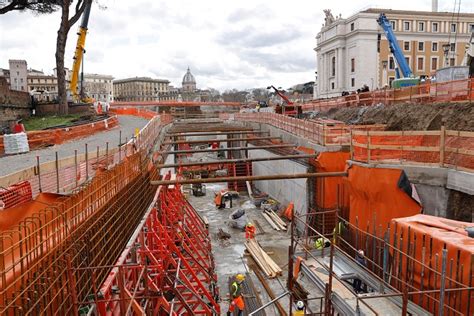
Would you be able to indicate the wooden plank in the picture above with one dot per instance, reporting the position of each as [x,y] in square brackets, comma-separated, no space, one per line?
[268,219]
[463,151]
[407,148]
[396,133]
[459,133]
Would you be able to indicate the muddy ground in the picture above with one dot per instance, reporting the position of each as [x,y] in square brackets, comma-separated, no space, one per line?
[457,116]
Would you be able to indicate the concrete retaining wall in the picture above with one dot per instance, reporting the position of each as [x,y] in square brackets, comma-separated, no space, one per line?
[285,191]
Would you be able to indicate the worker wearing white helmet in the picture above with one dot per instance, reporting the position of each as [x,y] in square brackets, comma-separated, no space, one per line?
[299,309]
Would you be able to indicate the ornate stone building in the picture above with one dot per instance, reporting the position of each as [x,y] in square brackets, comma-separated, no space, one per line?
[141,89]
[189,83]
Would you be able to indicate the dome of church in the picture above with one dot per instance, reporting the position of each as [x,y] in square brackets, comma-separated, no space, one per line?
[189,78]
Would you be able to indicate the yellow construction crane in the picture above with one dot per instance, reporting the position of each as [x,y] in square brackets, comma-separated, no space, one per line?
[78,56]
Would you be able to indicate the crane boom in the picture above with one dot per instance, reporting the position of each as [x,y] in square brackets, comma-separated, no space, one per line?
[394,47]
[79,53]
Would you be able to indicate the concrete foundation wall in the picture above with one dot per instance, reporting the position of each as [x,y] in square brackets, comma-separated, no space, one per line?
[434,199]
[285,191]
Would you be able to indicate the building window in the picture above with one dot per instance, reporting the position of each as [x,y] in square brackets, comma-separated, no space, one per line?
[332,85]
[434,47]
[406,25]
[452,61]
[421,46]
[352,26]
[353,82]
[434,63]
[453,27]
[421,26]
[391,63]
[353,66]
[452,47]
[393,23]
[421,64]
[406,46]
[471,28]
[333,66]
[407,59]
[434,27]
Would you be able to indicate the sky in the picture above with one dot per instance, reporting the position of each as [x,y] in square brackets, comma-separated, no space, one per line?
[227,44]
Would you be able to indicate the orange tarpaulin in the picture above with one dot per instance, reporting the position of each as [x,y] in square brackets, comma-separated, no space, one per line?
[12,216]
[425,237]
[375,198]
[327,188]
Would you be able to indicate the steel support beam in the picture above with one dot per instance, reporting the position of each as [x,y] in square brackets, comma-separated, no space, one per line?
[233,132]
[252,178]
[203,141]
[192,151]
[218,162]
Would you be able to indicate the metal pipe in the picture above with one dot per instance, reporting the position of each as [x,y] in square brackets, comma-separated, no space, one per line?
[203,141]
[226,149]
[269,303]
[218,162]
[233,132]
[443,282]
[251,178]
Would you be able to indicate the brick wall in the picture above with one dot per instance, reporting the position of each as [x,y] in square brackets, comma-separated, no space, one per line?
[13,104]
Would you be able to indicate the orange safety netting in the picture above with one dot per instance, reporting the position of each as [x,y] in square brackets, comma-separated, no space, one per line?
[423,238]
[147,114]
[16,194]
[375,198]
[43,138]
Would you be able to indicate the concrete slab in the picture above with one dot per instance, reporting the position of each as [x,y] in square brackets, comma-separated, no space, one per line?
[461,181]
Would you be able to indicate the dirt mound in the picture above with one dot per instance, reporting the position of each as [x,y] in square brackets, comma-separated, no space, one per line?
[458,116]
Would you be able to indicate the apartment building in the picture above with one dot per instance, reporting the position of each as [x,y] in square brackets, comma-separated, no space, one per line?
[354,52]
[139,89]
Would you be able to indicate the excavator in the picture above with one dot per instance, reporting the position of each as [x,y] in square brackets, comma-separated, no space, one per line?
[289,108]
[80,97]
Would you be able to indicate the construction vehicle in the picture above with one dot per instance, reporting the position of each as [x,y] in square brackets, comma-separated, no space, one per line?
[198,189]
[80,97]
[288,107]
[407,79]
[461,72]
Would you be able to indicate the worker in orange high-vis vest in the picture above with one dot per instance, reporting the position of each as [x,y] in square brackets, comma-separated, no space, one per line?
[250,231]
[236,292]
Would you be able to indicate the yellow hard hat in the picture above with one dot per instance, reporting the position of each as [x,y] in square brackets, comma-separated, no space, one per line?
[249,224]
[240,277]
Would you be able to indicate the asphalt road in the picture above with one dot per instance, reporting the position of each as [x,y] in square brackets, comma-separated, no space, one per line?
[11,164]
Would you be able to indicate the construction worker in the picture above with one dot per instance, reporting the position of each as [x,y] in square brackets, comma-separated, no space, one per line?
[321,243]
[237,299]
[358,285]
[250,231]
[299,309]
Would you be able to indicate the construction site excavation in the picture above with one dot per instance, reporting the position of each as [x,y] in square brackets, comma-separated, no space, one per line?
[349,195]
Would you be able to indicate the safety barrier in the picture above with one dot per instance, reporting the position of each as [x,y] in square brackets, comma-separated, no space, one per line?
[90,227]
[451,91]
[323,132]
[444,148]
[44,138]
[147,114]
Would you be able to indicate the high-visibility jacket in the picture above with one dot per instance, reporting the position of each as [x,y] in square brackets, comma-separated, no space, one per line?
[298,313]
[236,289]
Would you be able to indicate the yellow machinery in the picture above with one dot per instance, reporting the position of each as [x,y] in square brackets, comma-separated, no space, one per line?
[78,56]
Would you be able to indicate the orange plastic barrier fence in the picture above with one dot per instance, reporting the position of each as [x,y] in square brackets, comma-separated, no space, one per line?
[16,194]
[451,91]
[454,149]
[38,139]
[423,238]
[147,114]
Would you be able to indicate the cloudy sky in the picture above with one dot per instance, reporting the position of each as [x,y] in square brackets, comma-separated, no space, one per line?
[227,44]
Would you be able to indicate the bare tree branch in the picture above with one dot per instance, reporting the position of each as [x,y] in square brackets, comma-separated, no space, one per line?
[80,6]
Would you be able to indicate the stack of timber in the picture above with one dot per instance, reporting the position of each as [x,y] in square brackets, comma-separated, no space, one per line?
[274,220]
[263,260]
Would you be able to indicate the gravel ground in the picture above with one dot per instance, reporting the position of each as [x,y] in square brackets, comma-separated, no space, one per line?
[10,164]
